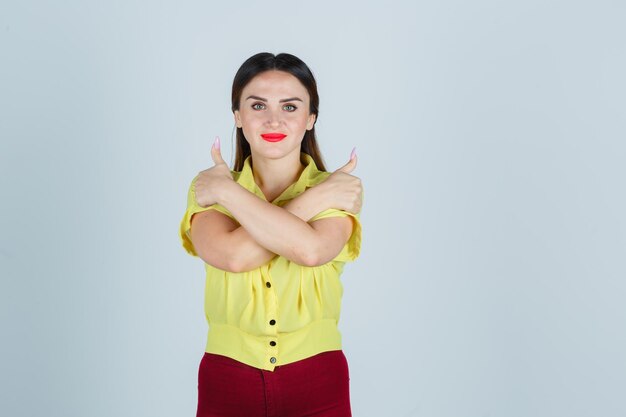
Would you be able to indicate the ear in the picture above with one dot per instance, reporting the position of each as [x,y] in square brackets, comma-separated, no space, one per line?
[237,118]
[311,122]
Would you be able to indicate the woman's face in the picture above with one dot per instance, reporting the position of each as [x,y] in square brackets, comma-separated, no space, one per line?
[274,102]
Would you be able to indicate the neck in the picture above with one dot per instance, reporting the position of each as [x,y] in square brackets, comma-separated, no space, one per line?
[273,176]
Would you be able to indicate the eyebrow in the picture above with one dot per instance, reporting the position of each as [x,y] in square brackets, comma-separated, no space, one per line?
[280,101]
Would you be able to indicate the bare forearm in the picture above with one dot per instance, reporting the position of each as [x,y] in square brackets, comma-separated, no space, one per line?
[274,228]
[249,254]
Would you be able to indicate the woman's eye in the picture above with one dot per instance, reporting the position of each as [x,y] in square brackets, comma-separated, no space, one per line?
[289,107]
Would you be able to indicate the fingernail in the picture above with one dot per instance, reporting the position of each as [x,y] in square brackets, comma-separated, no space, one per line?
[217,142]
[353,154]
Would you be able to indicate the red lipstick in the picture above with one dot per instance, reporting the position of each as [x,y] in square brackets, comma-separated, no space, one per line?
[273,137]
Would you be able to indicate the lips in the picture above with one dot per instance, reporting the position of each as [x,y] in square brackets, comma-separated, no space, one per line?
[273,137]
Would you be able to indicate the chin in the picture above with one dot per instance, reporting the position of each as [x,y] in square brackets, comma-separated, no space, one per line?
[274,152]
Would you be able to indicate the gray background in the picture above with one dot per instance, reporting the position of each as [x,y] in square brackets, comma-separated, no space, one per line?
[491,147]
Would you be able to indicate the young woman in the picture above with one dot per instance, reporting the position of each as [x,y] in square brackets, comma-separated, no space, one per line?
[274,233]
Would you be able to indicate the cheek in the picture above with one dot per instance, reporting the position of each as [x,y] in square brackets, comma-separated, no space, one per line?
[252,119]
[298,121]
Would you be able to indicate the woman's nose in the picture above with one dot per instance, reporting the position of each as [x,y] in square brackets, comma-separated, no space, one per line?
[274,118]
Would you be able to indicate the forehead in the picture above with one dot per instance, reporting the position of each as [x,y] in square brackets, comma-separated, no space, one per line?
[275,85]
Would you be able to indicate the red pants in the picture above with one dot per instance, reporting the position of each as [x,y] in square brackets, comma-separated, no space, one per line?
[313,387]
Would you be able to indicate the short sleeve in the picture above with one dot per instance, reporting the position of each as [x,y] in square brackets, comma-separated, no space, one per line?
[352,248]
[193,208]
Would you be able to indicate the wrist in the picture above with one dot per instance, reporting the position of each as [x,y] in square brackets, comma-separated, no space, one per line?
[320,196]
[227,192]
[316,198]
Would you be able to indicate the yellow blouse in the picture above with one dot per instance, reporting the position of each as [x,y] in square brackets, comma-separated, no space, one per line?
[281,312]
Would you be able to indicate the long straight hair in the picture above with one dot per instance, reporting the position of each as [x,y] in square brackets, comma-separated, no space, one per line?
[265,61]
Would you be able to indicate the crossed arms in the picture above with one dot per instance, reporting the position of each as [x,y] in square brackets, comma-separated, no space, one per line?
[266,230]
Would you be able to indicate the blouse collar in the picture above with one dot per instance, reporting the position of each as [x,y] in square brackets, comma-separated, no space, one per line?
[308,177]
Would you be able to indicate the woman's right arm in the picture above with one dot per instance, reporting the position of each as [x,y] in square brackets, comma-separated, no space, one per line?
[224,244]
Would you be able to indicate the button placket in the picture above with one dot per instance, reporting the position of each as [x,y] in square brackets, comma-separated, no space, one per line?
[271,308]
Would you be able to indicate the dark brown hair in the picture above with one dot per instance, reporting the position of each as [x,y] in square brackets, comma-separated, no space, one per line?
[266,61]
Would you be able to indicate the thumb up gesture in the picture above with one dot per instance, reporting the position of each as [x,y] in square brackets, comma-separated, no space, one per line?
[343,189]
[212,181]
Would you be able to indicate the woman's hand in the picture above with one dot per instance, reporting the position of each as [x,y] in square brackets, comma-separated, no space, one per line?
[342,190]
[212,181]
